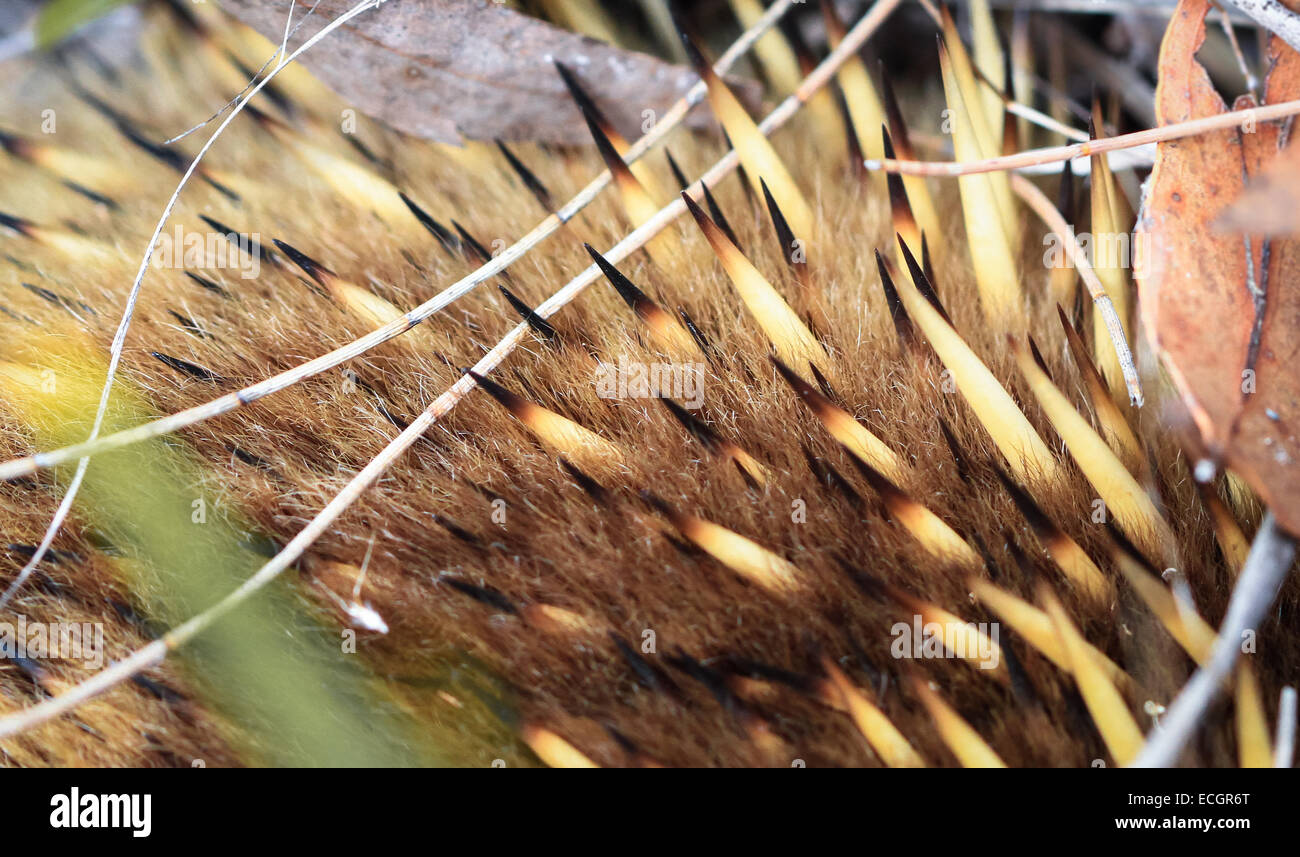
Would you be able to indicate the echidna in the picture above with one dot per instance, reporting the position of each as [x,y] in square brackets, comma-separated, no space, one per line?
[822,467]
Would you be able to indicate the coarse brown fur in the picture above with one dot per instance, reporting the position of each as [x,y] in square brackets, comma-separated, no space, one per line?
[471,673]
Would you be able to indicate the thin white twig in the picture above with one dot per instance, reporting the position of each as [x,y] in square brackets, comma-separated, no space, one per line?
[365,566]
[278,53]
[1124,159]
[1284,746]
[1247,74]
[1271,555]
[1034,157]
[128,313]
[1047,212]
[1273,16]
[56,523]
[29,464]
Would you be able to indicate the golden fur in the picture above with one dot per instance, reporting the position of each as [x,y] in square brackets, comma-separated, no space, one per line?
[470,674]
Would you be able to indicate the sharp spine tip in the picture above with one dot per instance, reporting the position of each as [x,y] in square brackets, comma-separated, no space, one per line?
[20,225]
[482,594]
[592,488]
[310,266]
[582,99]
[540,325]
[635,298]
[680,176]
[922,282]
[191,369]
[530,180]
[444,236]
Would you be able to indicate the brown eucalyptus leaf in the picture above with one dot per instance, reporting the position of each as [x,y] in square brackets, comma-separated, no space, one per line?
[1270,204]
[441,69]
[1236,372]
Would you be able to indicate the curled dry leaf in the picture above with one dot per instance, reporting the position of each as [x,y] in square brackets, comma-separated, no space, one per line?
[1223,308]
[440,69]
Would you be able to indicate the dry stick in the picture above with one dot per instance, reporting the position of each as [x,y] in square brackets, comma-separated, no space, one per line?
[1272,15]
[156,652]
[1125,159]
[27,465]
[1284,745]
[1044,208]
[128,312]
[1247,74]
[1271,555]
[284,44]
[1042,120]
[1037,117]
[1154,8]
[1051,154]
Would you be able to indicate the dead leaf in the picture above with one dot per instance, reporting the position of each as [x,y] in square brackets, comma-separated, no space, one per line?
[1270,204]
[440,69]
[1236,377]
